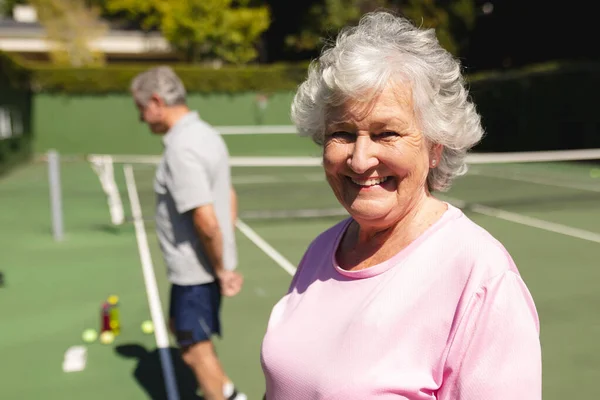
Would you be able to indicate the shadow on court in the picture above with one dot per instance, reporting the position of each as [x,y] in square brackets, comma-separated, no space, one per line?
[148,372]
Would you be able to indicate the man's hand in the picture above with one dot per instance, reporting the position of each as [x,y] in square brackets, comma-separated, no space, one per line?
[231,282]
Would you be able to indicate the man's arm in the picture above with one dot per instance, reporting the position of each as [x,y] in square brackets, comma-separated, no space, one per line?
[234,208]
[209,232]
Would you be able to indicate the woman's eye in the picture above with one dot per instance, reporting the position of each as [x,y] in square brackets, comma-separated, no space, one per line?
[387,134]
[341,135]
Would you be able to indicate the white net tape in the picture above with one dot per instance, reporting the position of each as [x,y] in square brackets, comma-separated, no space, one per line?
[103,166]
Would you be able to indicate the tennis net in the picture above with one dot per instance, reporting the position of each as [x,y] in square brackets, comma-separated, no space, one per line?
[295,187]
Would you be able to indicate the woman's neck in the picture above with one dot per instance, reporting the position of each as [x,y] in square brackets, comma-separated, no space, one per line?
[365,245]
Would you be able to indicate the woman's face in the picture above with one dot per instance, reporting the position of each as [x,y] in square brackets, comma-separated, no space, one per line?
[375,157]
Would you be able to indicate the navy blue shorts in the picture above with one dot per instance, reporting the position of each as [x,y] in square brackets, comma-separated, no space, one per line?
[194,311]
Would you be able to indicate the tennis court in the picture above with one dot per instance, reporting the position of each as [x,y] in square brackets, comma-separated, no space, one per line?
[547,214]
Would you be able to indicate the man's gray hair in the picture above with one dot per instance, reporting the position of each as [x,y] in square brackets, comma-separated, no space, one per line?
[384,48]
[161,81]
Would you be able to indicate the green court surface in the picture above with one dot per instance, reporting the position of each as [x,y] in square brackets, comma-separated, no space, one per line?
[547,216]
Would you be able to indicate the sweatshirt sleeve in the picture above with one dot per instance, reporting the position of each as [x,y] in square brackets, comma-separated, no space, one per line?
[495,353]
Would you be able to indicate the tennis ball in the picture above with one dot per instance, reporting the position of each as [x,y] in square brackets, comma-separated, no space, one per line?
[107,337]
[595,173]
[147,327]
[89,335]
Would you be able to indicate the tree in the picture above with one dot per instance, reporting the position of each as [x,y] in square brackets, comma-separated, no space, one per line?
[325,19]
[71,26]
[223,30]
[450,19]
[6,6]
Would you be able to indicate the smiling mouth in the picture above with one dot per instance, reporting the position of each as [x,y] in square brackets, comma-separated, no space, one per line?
[369,182]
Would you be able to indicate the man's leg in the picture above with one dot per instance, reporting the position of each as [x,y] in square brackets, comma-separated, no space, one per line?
[202,359]
[194,316]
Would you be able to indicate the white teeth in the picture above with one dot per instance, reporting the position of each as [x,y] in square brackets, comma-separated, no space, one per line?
[370,182]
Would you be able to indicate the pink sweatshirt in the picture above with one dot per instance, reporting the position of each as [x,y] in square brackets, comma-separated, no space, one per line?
[447,318]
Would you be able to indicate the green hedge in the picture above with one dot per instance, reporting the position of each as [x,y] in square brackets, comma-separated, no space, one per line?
[549,107]
[13,72]
[197,79]
[15,114]
[115,78]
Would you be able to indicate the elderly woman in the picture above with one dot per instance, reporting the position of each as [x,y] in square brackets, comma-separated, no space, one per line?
[408,298]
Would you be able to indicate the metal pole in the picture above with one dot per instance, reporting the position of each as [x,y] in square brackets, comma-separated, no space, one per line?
[55,195]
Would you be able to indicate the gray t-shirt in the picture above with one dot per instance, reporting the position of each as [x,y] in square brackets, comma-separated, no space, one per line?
[194,171]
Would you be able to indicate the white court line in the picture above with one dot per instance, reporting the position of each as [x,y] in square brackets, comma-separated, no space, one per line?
[255,179]
[527,221]
[242,161]
[256,129]
[538,181]
[266,247]
[262,179]
[160,330]
[533,156]
[473,158]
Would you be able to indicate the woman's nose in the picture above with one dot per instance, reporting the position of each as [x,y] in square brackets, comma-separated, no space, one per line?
[363,156]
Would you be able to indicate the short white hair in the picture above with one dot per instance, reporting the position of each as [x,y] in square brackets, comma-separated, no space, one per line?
[161,81]
[382,48]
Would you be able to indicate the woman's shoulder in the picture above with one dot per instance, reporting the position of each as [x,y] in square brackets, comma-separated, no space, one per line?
[477,249]
[318,253]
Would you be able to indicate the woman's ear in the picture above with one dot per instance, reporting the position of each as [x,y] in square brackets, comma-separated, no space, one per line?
[435,155]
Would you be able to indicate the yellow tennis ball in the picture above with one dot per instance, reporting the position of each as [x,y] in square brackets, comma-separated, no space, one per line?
[89,335]
[595,173]
[107,337]
[147,327]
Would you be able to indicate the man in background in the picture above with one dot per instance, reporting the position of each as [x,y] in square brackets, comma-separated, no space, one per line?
[195,217]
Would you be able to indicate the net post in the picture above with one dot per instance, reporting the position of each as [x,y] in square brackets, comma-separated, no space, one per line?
[55,195]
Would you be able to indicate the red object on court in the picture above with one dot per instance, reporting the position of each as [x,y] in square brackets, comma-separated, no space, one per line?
[105,317]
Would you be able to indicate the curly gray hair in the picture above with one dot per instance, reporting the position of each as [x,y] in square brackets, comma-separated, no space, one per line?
[366,58]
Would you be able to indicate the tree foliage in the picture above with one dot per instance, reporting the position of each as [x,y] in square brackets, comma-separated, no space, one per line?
[225,30]
[450,18]
[6,6]
[325,19]
[71,26]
